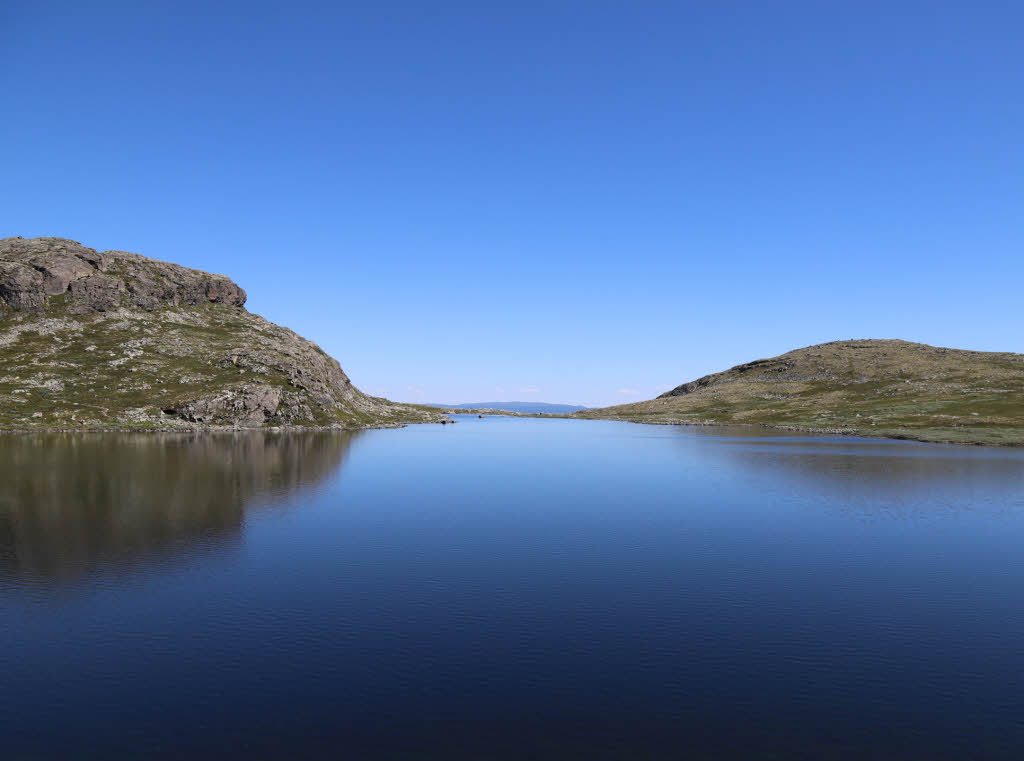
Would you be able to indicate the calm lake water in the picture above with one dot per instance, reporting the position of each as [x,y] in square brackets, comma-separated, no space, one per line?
[510,589]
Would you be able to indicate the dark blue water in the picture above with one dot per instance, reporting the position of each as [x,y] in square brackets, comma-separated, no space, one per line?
[510,589]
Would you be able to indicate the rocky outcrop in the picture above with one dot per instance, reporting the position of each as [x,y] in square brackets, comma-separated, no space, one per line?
[775,369]
[248,406]
[33,270]
[116,340]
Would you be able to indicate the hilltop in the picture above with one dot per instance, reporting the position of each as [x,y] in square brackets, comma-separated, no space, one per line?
[115,340]
[870,387]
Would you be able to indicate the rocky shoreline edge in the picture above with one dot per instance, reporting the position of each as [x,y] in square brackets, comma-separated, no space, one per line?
[192,430]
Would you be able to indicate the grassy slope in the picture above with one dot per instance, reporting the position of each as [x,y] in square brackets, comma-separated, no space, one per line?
[104,371]
[872,387]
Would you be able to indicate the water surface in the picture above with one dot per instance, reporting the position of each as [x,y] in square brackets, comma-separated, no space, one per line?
[508,589]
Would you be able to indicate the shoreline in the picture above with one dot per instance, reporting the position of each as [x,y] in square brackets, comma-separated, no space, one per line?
[856,432]
[228,429]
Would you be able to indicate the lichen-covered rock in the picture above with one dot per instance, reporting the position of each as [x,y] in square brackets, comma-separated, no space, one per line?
[115,340]
[248,406]
[95,293]
[32,269]
[21,287]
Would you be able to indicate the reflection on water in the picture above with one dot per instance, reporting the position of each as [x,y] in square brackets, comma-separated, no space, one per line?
[872,477]
[71,503]
[510,589]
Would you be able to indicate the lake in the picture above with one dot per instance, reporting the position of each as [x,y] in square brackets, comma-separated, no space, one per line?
[510,589]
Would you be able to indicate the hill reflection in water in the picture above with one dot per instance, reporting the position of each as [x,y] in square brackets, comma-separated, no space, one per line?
[510,588]
[71,503]
[869,478]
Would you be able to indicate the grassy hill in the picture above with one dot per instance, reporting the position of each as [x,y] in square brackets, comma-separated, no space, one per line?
[869,387]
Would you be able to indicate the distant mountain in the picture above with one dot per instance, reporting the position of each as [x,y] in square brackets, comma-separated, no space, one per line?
[530,408]
[869,387]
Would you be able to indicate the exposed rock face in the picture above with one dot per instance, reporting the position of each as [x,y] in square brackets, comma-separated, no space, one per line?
[250,406]
[116,340]
[775,369]
[32,269]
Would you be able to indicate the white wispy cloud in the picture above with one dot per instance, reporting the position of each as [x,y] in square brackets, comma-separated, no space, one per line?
[663,387]
[529,390]
[417,391]
[499,389]
[630,391]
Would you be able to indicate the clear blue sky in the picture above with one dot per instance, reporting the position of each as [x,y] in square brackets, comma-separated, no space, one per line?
[567,201]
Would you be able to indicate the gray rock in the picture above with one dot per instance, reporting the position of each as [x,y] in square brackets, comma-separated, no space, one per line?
[21,287]
[95,293]
[32,269]
[247,406]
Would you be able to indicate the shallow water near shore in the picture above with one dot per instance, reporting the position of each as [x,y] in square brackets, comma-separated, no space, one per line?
[510,588]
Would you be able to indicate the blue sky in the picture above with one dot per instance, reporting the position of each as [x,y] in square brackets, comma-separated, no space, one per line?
[567,201]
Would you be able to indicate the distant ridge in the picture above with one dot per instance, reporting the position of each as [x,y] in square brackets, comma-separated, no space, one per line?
[531,408]
[871,387]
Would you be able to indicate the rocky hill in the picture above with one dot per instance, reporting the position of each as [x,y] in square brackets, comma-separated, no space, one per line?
[115,340]
[868,387]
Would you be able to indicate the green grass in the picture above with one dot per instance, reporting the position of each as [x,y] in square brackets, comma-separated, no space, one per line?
[874,388]
[95,381]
